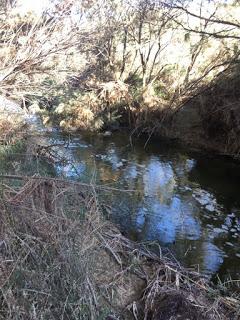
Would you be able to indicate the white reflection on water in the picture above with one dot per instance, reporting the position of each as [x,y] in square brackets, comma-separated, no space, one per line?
[167,216]
[212,257]
[166,222]
[167,206]
[158,179]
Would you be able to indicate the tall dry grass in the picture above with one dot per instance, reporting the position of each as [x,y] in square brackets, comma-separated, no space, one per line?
[60,259]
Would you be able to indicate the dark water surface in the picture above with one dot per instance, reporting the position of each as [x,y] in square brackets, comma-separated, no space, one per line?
[187,201]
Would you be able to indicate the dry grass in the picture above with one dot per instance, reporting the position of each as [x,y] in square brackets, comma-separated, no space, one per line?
[11,129]
[60,259]
[46,255]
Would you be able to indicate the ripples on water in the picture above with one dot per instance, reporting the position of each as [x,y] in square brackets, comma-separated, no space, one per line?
[186,201]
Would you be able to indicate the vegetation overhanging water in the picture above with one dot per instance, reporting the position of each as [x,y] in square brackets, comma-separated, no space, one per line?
[166,69]
[184,200]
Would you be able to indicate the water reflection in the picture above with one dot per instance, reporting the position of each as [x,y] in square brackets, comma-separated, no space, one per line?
[167,221]
[179,199]
[169,205]
[158,180]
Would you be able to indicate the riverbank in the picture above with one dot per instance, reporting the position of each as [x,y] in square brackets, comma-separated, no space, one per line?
[13,122]
[62,259]
[186,200]
[208,122]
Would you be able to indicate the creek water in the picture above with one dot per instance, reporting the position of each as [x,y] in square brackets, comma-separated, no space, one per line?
[186,201]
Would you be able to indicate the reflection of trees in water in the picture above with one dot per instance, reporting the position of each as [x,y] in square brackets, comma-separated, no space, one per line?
[106,174]
[178,222]
[202,254]
[166,223]
[219,177]
[158,180]
[160,208]
[20,159]
[163,216]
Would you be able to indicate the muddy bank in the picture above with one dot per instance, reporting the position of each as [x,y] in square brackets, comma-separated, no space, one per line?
[210,121]
[189,127]
[204,124]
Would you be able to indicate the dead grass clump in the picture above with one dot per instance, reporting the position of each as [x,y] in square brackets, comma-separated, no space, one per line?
[60,259]
[114,92]
[10,129]
[46,256]
[96,109]
[80,112]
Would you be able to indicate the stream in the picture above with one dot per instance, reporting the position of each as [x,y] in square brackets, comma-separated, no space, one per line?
[187,201]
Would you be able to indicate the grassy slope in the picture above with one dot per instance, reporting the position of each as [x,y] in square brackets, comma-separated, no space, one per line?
[60,259]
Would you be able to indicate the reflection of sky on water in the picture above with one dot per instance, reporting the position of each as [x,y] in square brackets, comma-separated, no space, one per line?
[188,203]
[167,206]
[131,172]
[70,167]
[167,212]
[70,170]
[158,179]
[212,258]
[167,221]
[164,216]
[183,167]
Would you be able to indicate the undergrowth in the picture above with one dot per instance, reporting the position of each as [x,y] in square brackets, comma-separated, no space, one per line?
[60,259]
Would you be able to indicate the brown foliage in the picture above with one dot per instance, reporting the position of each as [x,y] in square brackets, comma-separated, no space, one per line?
[61,259]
